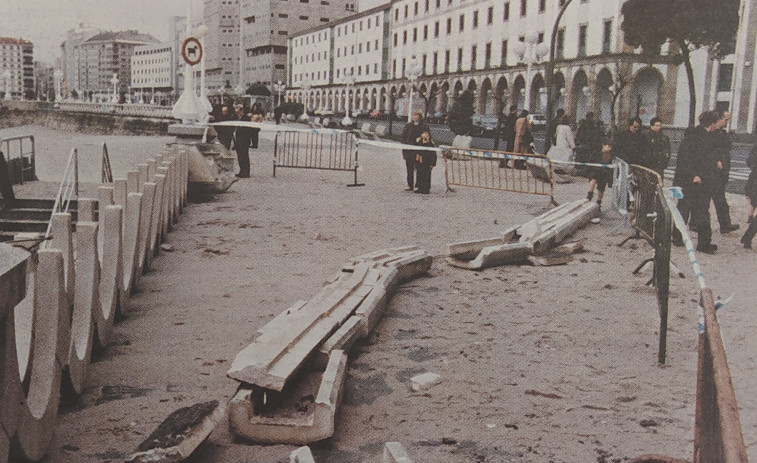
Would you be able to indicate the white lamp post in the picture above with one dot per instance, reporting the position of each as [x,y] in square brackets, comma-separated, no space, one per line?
[530,52]
[306,88]
[57,75]
[7,77]
[203,31]
[115,81]
[350,81]
[279,87]
[412,73]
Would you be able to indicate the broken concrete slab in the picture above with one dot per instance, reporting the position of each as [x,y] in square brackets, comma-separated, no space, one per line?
[395,453]
[293,423]
[549,259]
[493,256]
[424,381]
[343,339]
[179,434]
[301,455]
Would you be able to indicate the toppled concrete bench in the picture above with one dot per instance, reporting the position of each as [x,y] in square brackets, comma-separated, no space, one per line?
[285,364]
[516,244]
[360,289]
[180,434]
[305,415]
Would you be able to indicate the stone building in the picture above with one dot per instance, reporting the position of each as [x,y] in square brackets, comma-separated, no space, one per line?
[17,58]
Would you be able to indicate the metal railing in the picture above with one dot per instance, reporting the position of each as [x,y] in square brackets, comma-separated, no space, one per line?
[23,149]
[137,110]
[530,173]
[68,189]
[332,150]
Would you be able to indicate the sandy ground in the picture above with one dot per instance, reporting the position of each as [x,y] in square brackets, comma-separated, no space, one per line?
[539,364]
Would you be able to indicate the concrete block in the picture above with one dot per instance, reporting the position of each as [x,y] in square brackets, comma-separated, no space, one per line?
[395,453]
[35,429]
[104,199]
[130,240]
[412,265]
[317,425]
[179,434]
[86,208]
[86,303]
[156,221]
[425,381]
[132,181]
[371,310]
[282,319]
[301,455]
[110,272]
[468,250]
[63,240]
[12,397]
[143,171]
[120,191]
[145,225]
[13,268]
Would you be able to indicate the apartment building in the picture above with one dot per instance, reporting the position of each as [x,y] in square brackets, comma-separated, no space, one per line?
[17,62]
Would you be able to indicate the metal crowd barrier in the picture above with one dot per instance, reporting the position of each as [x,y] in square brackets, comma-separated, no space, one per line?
[334,150]
[20,155]
[481,169]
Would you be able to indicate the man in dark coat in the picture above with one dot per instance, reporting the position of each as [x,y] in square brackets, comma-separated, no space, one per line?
[697,173]
[242,140]
[508,131]
[225,134]
[630,144]
[722,155]
[6,187]
[411,135]
[658,148]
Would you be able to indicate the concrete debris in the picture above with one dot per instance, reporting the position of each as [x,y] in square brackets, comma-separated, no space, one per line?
[395,453]
[301,455]
[534,238]
[180,434]
[425,381]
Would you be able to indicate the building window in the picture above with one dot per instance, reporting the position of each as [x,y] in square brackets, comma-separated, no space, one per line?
[404,37]
[473,53]
[436,29]
[425,32]
[459,59]
[504,53]
[542,5]
[415,9]
[606,36]
[506,13]
[405,11]
[397,14]
[304,18]
[560,44]
[394,68]
[462,23]
[490,16]
[446,61]
[423,65]
[725,77]
[395,39]
[523,7]
[324,20]
[415,35]
[475,19]
[488,55]
[426,6]
[403,67]
[449,26]
[582,40]
[436,62]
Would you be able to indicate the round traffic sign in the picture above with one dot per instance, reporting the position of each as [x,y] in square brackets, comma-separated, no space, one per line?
[191,51]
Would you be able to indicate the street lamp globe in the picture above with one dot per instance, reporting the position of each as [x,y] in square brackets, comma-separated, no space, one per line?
[412,73]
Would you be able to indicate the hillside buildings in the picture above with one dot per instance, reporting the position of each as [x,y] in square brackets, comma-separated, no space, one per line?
[17,67]
[152,72]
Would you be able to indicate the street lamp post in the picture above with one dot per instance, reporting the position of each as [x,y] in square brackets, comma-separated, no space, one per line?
[279,87]
[115,81]
[57,75]
[7,77]
[530,52]
[549,69]
[203,31]
[306,89]
[350,81]
[412,73]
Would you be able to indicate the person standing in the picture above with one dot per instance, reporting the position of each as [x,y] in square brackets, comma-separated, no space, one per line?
[562,150]
[425,160]
[6,187]
[658,148]
[600,177]
[751,194]
[588,141]
[410,135]
[225,134]
[722,155]
[630,143]
[508,131]
[523,138]
[256,115]
[699,176]
[242,140]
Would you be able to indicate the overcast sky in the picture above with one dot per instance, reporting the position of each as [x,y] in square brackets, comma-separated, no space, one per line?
[45,22]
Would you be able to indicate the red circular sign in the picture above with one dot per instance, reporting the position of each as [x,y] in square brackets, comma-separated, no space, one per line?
[191,51]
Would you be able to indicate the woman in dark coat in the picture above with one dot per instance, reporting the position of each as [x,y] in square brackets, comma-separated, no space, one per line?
[751,193]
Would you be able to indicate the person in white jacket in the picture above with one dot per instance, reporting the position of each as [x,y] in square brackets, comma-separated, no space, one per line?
[562,150]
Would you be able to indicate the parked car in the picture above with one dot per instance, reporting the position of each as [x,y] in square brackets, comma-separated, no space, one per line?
[484,125]
[538,121]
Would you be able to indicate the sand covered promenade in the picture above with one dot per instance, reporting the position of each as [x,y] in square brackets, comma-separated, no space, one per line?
[538,364]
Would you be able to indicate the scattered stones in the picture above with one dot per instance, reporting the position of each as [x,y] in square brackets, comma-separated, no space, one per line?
[648,423]
[166,247]
[425,381]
